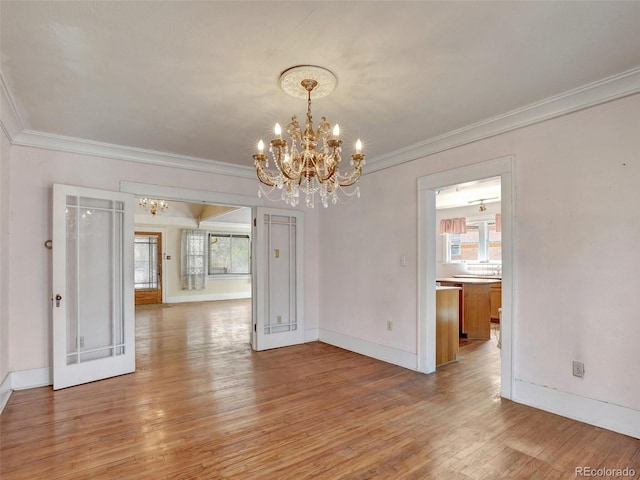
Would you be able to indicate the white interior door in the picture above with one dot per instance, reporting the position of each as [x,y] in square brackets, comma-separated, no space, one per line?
[277,278]
[93,294]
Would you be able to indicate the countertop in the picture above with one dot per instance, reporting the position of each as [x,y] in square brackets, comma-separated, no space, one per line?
[470,280]
[440,287]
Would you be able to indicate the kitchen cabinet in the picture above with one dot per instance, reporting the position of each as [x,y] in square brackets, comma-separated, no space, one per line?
[495,294]
[476,304]
[447,315]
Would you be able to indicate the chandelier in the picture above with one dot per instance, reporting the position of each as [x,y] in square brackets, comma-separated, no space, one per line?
[310,164]
[153,206]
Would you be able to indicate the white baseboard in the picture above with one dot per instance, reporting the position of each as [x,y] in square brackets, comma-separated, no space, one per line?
[37,377]
[594,412]
[208,297]
[5,391]
[369,349]
[22,380]
[311,335]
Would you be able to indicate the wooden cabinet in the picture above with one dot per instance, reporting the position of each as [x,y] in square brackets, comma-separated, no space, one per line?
[476,308]
[495,294]
[447,313]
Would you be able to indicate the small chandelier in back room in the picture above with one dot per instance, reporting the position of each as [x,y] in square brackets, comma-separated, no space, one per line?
[152,205]
[299,167]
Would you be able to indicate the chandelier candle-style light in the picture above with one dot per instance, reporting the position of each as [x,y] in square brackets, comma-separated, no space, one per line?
[311,163]
[153,206]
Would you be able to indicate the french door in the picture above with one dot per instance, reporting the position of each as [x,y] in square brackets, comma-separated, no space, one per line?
[277,282]
[93,308]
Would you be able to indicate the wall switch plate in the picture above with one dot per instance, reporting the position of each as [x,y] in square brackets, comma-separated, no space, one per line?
[578,369]
[389,325]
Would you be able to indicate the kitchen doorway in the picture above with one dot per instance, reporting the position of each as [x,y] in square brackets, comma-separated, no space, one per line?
[428,230]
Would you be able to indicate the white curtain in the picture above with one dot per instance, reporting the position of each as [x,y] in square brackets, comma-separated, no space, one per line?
[194,259]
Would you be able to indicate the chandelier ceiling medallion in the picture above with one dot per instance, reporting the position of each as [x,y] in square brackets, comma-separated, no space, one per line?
[310,164]
[152,205]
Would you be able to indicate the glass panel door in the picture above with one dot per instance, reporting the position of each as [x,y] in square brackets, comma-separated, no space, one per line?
[93,324]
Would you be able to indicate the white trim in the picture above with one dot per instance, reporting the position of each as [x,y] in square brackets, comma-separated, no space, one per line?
[594,412]
[208,297]
[37,377]
[606,90]
[426,330]
[23,380]
[311,335]
[9,120]
[48,141]
[5,391]
[369,349]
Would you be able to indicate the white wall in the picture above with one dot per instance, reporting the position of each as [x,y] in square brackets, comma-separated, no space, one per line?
[4,260]
[576,254]
[33,171]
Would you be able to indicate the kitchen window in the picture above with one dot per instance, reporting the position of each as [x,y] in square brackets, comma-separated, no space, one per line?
[481,244]
[229,254]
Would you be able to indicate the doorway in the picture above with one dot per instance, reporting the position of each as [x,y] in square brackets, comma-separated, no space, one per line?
[147,263]
[427,231]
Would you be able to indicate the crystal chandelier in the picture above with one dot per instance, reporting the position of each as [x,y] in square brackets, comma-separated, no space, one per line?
[310,164]
[153,206]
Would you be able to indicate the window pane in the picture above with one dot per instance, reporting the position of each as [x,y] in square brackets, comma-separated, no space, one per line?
[219,254]
[146,262]
[464,246]
[495,244]
[240,254]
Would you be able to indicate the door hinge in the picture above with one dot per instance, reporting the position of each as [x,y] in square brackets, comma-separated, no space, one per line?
[255,224]
[255,327]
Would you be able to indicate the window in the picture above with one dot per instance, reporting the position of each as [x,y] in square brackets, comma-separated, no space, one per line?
[481,243]
[229,254]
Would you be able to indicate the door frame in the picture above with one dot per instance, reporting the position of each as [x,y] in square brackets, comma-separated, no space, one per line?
[163,253]
[192,195]
[427,230]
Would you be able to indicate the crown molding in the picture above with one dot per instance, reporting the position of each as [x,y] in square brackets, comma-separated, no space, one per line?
[75,145]
[10,121]
[602,91]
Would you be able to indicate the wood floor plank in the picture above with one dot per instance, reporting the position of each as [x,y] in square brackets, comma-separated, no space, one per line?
[202,404]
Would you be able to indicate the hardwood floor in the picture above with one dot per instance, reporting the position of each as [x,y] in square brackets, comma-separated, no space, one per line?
[203,405]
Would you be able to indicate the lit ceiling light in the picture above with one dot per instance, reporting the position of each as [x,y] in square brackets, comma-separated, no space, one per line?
[311,164]
[153,206]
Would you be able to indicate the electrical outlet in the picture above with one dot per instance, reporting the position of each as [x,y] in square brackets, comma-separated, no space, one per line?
[81,342]
[578,369]
[389,325]
[279,319]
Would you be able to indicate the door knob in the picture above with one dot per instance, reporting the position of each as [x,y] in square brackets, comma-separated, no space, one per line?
[58,298]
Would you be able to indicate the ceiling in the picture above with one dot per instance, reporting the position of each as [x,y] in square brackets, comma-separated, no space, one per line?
[462,195]
[199,80]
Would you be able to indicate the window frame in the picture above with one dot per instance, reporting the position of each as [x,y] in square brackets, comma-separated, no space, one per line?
[229,235]
[483,244]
